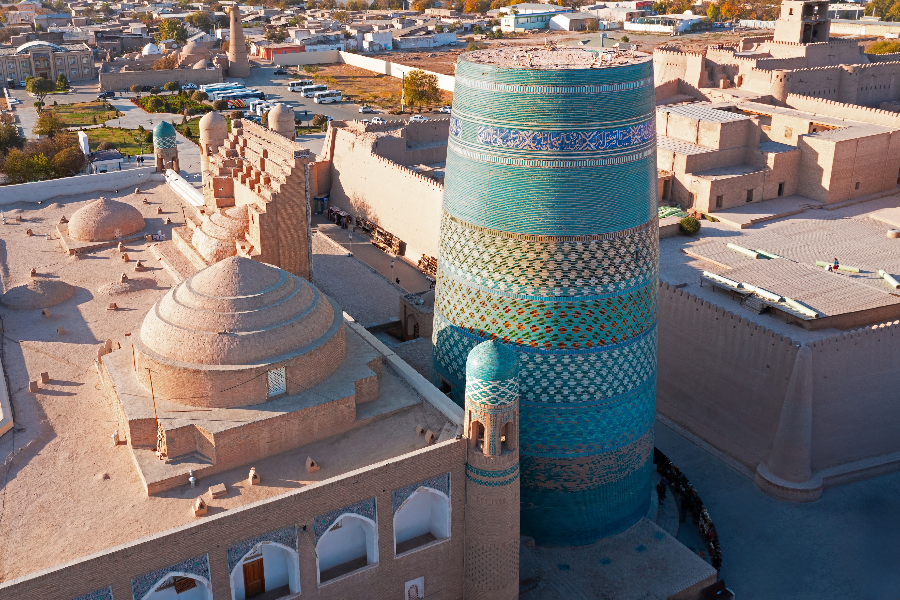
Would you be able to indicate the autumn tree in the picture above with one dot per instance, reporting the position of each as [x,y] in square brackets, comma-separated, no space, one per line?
[170,61]
[40,87]
[136,89]
[200,20]
[171,29]
[49,124]
[10,138]
[421,88]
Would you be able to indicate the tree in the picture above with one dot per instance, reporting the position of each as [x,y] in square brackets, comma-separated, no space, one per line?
[220,105]
[421,88]
[357,5]
[328,4]
[200,20]
[187,130]
[319,121]
[199,96]
[310,69]
[172,86]
[136,89]
[107,145]
[10,138]
[171,29]
[49,124]
[439,28]
[624,38]
[170,61]
[341,16]
[140,137]
[884,47]
[154,91]
[40,87]
[106,9]
[713,12]
[276,35]
[154,103]
[236,114]
[62,83]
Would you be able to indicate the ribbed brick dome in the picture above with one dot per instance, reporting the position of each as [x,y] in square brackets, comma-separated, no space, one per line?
[215,238]
[103,220]
[236,312]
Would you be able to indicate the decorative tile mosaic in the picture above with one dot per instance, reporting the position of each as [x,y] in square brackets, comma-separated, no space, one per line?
[544,90]
[440,483]
[104,594]
[500,393]
[286,536]
[364,508]
[193,566]
[568,141]
[545,269]
[548,163]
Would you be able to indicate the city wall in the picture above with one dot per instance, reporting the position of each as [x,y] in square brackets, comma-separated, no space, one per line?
[724,378]
[37,191]
[841,110]
[396,198]
[441,564]
[123,80]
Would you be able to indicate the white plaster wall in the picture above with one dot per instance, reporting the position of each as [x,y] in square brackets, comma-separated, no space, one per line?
[445,82]
[355,538]
[424,512]
[80,184]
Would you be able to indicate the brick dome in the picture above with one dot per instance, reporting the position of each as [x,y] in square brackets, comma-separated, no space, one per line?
[201,64]
[215,238]
[211,339]
[281,120]
[103,220]
[213,126]
[37,292]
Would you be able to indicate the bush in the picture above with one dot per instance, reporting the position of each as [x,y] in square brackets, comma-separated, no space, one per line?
[155,90]
[624,38]
[319,120]
[136,88]
[220,105]
[172,86]
[189,112]
[199,96]
[106,146]
[884,47]
[236,114]
[155,103]
[689,225]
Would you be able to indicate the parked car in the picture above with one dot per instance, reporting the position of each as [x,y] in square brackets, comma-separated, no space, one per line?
[365,108]
[377,121]
[366,121]
[189,86]
[279,72]
[444,109]
[418,119]
[146,88]
[106,95]
[22,83]
[11,83]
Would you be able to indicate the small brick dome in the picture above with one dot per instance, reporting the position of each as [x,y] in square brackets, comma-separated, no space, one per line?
[281,120]
[104,220]
[213,126]
[210,340]
[37,293]
[201,64]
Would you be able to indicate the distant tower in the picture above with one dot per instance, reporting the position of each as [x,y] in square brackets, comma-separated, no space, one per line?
[803,22]
[238,63]
[492,471]
[213,132]
[164,147]
[281,120]
[550,245]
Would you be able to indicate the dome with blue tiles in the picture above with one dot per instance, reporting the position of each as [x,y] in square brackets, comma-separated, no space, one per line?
[492,361]
[164,135]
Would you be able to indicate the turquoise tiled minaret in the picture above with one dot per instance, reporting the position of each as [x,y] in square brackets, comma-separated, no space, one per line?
[549,245]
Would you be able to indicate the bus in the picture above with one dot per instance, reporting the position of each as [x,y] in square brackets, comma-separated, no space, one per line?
[242,94]
[311,90]
[328,96]
[295,86]
[215,87]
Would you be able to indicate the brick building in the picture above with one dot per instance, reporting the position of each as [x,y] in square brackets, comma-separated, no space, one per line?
[47,60]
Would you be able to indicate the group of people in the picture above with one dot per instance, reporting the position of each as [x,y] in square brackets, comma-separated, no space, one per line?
[833,268]
[690,502]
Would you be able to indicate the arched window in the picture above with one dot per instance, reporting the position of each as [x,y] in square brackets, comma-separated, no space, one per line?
[351,543]
[508,439]
[476,434]
[267,567]
[180,586]
[422,519]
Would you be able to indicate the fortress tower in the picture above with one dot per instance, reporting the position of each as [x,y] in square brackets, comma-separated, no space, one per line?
[803,22]
[492,470]
[165,147]
[213,133]
[549,245]
[238,63]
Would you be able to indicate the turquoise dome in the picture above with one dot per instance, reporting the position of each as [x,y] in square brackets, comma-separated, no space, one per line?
[492,361]
[164,135]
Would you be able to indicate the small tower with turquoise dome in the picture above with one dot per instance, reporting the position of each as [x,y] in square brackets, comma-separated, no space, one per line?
[165,148]
[492,471]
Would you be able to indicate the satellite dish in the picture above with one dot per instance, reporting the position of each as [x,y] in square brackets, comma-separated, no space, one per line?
[688,13]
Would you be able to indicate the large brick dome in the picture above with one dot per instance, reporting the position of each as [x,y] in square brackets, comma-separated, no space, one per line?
[103,220]
[212,338]
[216,237]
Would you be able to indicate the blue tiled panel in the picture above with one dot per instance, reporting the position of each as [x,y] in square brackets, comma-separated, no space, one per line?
[286,536]
[550,245]
[104,594]
[364,508]
[193,566]
[440,483]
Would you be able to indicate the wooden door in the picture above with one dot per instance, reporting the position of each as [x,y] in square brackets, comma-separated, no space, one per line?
[254,578]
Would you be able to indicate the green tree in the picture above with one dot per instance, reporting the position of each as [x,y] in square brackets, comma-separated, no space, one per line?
[220,105]
[62,83]
[276,35]
[106,145]
[10,138]
[624,38]
[106,9]
[310,69]
[139,136]
[200,20]
[49,124]
[357,5]
[154,91]
[713,12]
[884,47]
[171,29]
[341,16]
[155,103]
[136,89]
[40,87]
[199,96]
[421,88]
[319,121]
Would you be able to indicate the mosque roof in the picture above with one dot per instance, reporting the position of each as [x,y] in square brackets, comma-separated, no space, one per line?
[151,48]
[24,48]
[214,125]
[237,312]
[103,220]
[163,129]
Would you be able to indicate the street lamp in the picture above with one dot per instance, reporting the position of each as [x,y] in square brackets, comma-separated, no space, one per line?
[392,270]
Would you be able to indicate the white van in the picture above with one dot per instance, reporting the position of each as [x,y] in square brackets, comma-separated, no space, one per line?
[296,86]
[311,90]
[328,97]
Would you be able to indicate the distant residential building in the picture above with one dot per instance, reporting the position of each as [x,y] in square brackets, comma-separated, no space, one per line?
[574,21]
[672,24]
[378,41]
[527,8]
